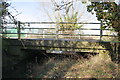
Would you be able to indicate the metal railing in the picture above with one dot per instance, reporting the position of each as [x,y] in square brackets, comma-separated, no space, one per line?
[57,30]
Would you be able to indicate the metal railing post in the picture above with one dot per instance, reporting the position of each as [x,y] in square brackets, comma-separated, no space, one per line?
[79,33]
[57,28]
[101,31]
[18,30]
[43,33]
[115,49]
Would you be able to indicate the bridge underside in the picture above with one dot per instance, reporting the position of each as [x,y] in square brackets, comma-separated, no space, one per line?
[63,45]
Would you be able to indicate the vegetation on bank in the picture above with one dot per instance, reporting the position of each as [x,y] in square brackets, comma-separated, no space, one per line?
[99,66]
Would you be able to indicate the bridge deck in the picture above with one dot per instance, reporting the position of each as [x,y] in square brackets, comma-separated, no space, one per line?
[64,45]
[61,39]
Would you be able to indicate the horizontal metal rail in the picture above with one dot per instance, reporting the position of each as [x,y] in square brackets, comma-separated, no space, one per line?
[56,23]
[57,30]
[62,34]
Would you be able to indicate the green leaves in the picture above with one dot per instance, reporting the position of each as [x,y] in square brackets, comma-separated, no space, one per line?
[103,27]
[108,12]
[69,18]
[78,27]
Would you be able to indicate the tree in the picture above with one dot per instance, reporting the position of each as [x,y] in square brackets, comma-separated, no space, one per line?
[1,9]
[6,17]
[69,15]
[3,12]
[109,13]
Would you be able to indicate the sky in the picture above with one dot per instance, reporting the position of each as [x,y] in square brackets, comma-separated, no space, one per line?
[38,11]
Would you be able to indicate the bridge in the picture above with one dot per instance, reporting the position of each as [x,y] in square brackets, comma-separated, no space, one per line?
[55,38]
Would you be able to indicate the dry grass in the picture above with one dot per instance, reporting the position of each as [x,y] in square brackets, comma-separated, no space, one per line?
[99,66]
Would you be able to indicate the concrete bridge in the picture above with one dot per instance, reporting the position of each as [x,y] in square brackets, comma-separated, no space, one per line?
[17,46]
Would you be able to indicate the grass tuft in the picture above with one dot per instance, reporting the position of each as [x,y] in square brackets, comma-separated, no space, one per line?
[99,66]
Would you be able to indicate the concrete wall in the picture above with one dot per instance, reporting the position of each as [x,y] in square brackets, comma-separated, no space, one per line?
[14,46]
[59,44]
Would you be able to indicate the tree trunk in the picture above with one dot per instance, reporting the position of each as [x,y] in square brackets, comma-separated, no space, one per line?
[119,47]
[115,54]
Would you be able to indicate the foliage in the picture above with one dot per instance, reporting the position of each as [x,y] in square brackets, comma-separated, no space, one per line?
[69,16]
[1,9]
[3,6]
[107,12]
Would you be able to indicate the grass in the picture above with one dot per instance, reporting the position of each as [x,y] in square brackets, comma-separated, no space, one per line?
[99,66]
